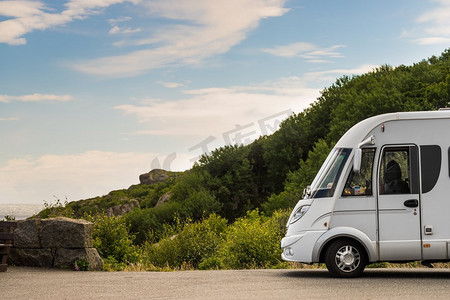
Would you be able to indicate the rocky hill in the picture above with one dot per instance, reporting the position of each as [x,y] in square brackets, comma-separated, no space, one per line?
[153,188]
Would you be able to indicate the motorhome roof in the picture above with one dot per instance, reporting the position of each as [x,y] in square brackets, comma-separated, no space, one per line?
[360,131]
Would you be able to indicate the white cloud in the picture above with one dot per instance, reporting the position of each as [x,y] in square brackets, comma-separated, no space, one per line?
[117,30]
[436,24]
[9,119]
[308,51]
[433,41]
[318,61]
[27,16]
[291,50]
[114,30]
[208,28]
[214,111]
[170,85]
[439,19]
[129,30]
[119,20]
[331,75]
[35,98]
[77,176]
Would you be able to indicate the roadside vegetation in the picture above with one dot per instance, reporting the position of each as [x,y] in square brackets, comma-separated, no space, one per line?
[229,211]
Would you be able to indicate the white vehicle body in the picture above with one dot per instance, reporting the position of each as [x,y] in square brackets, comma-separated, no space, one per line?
[388,217]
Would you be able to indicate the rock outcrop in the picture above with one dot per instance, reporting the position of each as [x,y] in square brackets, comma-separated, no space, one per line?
[54,243]
[154,176]
[163,199]
[121,209]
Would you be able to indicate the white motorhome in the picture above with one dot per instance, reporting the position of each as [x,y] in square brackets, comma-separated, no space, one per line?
[382,195]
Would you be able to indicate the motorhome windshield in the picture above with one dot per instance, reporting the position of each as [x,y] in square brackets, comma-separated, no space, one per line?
[326,179]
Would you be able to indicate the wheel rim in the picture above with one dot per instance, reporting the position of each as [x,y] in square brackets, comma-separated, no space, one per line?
[347,258]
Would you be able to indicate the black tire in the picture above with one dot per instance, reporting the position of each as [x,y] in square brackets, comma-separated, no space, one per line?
[345,258]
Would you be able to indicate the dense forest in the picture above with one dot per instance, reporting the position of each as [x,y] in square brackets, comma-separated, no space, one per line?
[237,190]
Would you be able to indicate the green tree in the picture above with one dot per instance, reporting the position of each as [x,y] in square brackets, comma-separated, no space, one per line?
[232,180]
[284,149]
[298,180]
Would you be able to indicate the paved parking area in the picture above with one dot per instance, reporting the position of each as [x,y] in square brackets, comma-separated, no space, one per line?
[30,283]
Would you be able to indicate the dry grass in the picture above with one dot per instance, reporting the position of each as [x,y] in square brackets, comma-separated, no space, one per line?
[141,267]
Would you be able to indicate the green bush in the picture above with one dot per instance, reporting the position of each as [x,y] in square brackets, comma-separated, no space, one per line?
[200,203]
[284,200]
[194,243]
[112,239]
[192,181]
[149,194]
[252,242]
[196,200]
[211,263]
[81,265]
[148,224]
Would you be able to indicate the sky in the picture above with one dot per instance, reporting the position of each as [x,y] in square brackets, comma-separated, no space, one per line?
[94,93]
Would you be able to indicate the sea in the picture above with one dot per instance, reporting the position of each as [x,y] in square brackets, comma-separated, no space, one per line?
[19,211]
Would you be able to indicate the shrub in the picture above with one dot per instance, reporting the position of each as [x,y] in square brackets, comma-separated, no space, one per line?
[200,203]
[193,181]
[150,194]
[194,243]
[112,239]
[57,209]
[148,224]
[252,242]
[81,265]
[283,200]
[211,263]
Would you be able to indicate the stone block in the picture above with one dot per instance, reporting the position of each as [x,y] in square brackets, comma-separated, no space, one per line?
[32,257]
[65,258]
[66,233]
[26,234]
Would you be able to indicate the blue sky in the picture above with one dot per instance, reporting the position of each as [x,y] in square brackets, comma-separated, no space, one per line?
[95,92]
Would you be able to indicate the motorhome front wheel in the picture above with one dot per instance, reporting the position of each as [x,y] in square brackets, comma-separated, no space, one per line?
[345,258]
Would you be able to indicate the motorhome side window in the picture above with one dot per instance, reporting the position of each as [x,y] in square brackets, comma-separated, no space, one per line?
[360,184]
[396,176]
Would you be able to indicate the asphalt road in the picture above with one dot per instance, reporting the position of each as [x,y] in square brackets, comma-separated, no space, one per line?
[29,283]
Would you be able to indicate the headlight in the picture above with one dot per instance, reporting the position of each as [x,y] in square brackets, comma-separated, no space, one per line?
[299,213]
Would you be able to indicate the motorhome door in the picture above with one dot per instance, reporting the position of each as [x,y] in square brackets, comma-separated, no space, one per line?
[399,236]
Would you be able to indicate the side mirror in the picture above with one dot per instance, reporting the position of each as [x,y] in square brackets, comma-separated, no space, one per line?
[358,153]
[307,191]
[357,160]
